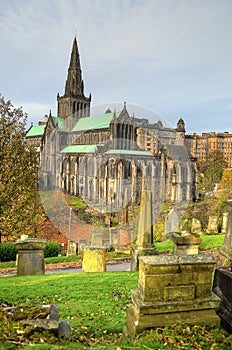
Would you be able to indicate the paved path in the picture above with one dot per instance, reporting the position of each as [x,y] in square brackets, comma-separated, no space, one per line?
[122,266]
[118,266]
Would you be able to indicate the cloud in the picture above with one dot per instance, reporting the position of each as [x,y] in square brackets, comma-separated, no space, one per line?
[167,55]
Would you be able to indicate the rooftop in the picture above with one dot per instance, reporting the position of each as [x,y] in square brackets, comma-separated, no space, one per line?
[36,130]
[94,122]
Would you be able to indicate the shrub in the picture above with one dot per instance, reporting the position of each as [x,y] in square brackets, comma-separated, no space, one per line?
[51,249]
[8,252]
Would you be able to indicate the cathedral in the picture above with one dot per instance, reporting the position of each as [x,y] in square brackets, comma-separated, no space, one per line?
[108,159]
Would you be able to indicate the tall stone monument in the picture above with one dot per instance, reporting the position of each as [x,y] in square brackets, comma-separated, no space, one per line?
[144,244]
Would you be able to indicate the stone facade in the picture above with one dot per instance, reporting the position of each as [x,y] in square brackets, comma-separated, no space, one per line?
[97,157]
[200,146]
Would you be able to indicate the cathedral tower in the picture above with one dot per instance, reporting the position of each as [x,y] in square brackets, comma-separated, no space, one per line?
[74,102]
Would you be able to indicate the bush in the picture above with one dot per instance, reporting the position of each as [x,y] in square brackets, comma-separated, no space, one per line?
[51,249]
[8,252]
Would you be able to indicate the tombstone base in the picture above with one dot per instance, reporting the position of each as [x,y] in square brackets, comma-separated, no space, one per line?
[185,243]
[173,289]
[146,316]
[137,251]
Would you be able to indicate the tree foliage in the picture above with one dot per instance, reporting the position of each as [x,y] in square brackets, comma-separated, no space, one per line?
[20,209]
[213,169]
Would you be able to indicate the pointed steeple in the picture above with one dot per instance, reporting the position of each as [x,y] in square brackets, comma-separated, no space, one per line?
[74,103]
[74,84]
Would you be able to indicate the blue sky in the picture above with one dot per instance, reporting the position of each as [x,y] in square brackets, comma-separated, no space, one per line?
[173,57]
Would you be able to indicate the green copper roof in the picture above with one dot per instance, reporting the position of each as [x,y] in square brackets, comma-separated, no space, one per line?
[36,130]
[129,152]
[95,122]
[79,149]
[60,122]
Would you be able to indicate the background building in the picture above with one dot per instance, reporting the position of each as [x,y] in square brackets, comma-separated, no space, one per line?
[109,159]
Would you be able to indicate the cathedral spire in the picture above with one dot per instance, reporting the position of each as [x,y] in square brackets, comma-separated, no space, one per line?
[74,103]
[74,84]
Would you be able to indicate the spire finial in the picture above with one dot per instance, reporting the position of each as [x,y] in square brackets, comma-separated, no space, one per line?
[75,34]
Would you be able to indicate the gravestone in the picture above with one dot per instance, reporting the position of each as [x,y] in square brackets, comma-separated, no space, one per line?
[212,227]
[172,289]
[225,252]
[30,259]
[185,243]
[81,244]
[123,245]
[97,240]
[72,247]
[172,222]
[94,259]
[196,226]
[144,243]
[224,222]
[113,237]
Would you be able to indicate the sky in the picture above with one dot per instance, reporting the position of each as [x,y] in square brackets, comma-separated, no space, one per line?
[172,57]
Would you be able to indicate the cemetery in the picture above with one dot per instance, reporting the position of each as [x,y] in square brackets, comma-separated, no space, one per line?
[168,297]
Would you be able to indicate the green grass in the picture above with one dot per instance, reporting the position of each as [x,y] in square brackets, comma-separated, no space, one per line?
[165,247]
[77,202]
[95,304]
[208,242]
[211,241]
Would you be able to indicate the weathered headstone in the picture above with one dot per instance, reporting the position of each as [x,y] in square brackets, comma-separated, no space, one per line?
[172,222]
[212,227]
[144,243]
[123,240]
[196,226]
[97,240]
[30,260]
[113,237]
[94,259]
[81,244]
[225,252]
[172,289]
[224,221]
[72,247]
[185,243]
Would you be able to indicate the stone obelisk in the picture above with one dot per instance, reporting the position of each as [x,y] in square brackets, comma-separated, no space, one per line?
[144,244]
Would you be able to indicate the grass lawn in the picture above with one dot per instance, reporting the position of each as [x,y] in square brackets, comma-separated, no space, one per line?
[208,242]
[95,304]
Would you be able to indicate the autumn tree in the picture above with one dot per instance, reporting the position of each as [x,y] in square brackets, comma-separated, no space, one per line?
[213,169]
[20,209]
